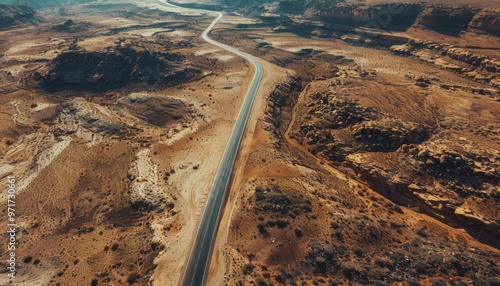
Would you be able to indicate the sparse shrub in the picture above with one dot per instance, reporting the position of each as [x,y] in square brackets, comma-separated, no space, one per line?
[460,282]
[298,232]
[439,283]
[416,242]
[281,223]
[27,259]
[280,279]
[263,230]
[380,262]
[333,282]
[339,235]
[261,283]
[132,278]
[413,282]
[494,281]
[248,268]
[443,269]
[423,268]
[422,233]
[395,224]
[413,272]
[398,209]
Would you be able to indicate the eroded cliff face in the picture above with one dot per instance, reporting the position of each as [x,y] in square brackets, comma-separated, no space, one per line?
[488,21]
[397,16]
[14,15]
[387,16]
[105,69]
[446,19]
[47,3]
[280,102]
[292,6]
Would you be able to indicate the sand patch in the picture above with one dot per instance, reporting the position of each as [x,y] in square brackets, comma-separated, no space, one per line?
[44,159]
[145,32]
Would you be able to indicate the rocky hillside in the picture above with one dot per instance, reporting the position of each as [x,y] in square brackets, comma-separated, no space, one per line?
[488,21]
[82,70]
[46,3]
[396,16]
[14,15]
[406,160]
[342,16]
[390,16]
[446,18]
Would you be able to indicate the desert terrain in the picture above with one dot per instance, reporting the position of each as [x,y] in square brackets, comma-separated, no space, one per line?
[372,156]
[113,124]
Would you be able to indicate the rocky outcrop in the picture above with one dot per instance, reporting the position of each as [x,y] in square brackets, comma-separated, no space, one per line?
[461,172]
[14,15]
[69,26]
[47,4]
[273,199]
[399,158]
[446,19]
[158,110]
[75,114]
[399,17]
[145,192]
[470,218]
[282,97]
[440,200]
[392,16]
[488,21]
[473,65]
[89,71]
[291,6]
[371,131]
[404,50]
[336,113]
[388,134]
[325,113]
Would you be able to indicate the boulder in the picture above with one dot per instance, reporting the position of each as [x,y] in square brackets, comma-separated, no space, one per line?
[402,49]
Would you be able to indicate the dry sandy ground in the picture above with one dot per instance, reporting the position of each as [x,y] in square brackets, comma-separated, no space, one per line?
[78,192]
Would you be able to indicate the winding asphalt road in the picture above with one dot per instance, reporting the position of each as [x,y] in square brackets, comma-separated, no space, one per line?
[196,269]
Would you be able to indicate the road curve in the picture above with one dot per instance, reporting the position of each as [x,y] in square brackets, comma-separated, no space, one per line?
[196,269]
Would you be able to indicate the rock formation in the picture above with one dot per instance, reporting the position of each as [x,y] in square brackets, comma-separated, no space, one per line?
[446,19]
[14,15]
[106,69]
[488,21]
